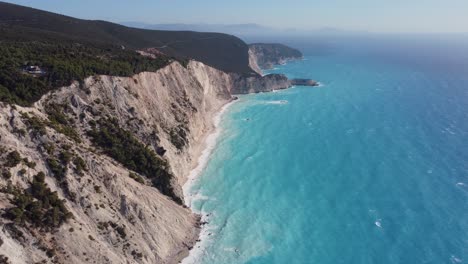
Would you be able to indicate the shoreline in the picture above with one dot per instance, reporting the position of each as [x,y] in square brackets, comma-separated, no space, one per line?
[210,143]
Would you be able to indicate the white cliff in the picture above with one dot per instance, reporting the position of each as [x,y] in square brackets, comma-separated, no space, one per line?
[105,199]
[118,216]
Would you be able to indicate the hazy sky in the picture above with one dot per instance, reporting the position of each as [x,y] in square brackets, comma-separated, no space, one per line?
[368,15]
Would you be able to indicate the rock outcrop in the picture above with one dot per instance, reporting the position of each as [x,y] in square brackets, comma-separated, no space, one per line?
[304,82]
[265,56]
[254,84]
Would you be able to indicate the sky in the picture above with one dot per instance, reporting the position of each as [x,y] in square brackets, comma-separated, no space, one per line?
[419,16]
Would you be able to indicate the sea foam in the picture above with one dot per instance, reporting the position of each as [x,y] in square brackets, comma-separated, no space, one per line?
[210,144]
[206,231]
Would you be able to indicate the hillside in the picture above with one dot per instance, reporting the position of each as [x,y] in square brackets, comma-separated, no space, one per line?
[224,52]
[267,55]
[70,49]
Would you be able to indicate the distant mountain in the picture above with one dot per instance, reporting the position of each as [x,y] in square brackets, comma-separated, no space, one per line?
[222,51]
[234,29]
[246,31]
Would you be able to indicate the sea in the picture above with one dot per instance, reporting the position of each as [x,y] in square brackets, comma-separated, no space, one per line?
[369,167]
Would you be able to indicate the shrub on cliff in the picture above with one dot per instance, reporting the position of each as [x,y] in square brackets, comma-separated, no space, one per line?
[4,259]
[136,177]
[80,165]
[13,158]
[60,122]
[178,137]
[34,124]
[57,168]
[122,146]
[38,206]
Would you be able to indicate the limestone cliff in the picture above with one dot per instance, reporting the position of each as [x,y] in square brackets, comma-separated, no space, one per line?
[266,55]
[118,216]
[253,61]
[92,172]
[254,84]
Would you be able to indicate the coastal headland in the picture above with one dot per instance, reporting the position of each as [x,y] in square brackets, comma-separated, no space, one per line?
[110,133]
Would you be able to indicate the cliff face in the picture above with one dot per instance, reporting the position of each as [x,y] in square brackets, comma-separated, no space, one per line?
[118,215]
[265,56]
[92,173]
[255,84]
[253,61]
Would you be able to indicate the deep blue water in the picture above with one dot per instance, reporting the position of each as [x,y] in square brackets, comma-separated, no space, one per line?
[370,168]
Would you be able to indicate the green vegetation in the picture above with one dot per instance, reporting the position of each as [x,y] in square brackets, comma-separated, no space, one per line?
[70,49]
[56,114]
[97,189]
[104,226]
[38,206]
[121,231]
[65,156]
[57,168]
[62,63]
[30,164]
[35,125]
[137,255]
[178,137]
[21,132]
[4,259]
[80,165]
[126,149]
[60,122]
[12,159]
[136,177]
[6,174]
[271,52]
[49,148]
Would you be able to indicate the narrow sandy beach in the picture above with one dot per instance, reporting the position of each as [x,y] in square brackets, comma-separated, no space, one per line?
[210,143]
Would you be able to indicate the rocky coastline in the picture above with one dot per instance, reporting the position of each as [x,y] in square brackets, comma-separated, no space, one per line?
[264,56]
[304,82]
[118,217]
[92,166]
[267,55]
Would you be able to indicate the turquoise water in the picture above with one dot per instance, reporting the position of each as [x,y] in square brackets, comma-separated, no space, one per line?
[370,168]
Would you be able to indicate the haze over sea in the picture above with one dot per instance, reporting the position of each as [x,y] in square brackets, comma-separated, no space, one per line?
[372,167]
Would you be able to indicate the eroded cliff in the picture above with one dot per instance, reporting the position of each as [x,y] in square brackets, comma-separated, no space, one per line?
[115,212]
[256,83]
[266,55]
